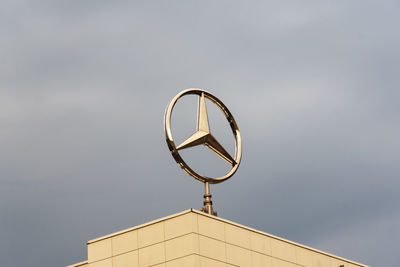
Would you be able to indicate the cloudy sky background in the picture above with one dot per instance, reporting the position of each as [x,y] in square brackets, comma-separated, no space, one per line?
[314,88]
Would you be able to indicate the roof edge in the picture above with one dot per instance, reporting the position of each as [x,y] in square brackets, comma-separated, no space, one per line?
[139,226]
[278,238]
[222,220]
[79,264]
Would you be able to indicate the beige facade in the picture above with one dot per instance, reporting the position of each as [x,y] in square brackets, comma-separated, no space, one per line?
[192,238]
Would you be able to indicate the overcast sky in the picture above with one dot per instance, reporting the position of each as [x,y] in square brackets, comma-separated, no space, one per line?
[313,86]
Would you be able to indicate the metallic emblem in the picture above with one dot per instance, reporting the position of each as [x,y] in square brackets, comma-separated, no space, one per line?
[203,136]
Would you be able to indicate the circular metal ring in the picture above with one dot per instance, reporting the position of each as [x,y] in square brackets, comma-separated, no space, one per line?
[235,130]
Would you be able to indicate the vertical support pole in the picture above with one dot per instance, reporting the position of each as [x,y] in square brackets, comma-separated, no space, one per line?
[207,198]
[207,208]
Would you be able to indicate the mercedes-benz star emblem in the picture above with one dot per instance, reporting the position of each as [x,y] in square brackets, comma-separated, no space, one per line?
[203,136]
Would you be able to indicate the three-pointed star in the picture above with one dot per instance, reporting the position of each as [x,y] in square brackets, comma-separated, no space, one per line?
[203,136]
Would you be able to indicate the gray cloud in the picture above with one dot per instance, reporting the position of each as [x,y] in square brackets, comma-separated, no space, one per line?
[313,87]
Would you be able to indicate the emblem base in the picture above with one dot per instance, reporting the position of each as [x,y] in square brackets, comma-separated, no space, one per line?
[208,208]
